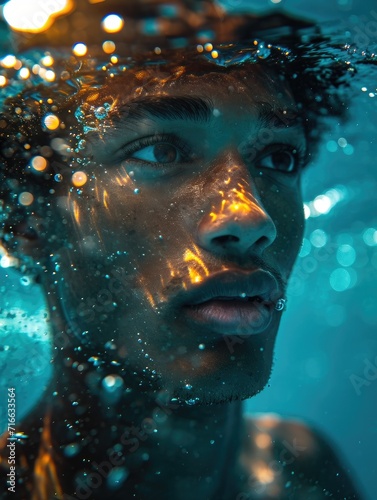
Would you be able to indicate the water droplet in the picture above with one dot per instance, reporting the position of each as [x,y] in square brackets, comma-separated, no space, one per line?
[79,115]
[192,401]
[116,477]
[100,113]
[71,450]
[112,383]
[263,52]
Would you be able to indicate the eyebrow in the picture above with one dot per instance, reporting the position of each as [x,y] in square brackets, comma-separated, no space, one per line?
[270,116]
[196,109]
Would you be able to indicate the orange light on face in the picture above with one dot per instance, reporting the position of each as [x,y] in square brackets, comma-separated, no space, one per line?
[197,269]
[105,199]
[147,293]
[79,179]
[76,212]
[234,203]
[45,469]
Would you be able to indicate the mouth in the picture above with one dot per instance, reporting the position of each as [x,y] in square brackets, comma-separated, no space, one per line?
[232,302]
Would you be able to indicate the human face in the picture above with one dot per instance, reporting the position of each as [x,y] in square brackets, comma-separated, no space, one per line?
[192,201]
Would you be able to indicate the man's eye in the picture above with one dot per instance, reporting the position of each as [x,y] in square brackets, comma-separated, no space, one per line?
[284,161]
[158,153]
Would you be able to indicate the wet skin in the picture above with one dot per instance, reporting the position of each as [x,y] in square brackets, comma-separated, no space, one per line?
[224,198]
[184,209]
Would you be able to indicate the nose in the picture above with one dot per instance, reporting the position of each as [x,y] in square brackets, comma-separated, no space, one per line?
[235,222]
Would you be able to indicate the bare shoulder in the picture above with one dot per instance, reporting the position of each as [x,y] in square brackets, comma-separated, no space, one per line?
[287,459]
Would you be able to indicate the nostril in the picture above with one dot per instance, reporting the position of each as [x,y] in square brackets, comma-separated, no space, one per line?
[225,240]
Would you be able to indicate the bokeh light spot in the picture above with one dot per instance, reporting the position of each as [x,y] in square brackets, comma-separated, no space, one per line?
[79,179]
[346,255]
[51,122]
[306,211]
[331,146]
[322,204]
[318,238]
[108,47]
[80,49]
[8,61]
[39,163]
[340,279]
[112,23]
[26,198]
[370,236]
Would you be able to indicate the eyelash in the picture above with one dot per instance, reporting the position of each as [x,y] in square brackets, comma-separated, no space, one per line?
[172,139]
[298,152]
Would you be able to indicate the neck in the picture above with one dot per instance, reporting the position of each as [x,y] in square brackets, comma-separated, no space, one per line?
[130,439]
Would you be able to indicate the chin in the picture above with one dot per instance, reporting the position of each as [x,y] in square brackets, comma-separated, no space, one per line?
[236,382]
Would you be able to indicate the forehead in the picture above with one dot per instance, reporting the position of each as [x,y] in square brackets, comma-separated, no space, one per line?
[231,90]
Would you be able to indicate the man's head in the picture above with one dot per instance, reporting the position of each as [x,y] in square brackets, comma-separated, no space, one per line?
[167,219]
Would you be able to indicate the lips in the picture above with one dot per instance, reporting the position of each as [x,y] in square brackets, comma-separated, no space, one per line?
[230,303]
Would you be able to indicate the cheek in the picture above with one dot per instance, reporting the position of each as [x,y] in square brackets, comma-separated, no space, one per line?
[285,207]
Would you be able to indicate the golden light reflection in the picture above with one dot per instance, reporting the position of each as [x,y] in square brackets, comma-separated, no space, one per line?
[236,202]
[147,292]
[105,198]
[76,212]
[46,478]
[37,15]
[123,178]
[197,269]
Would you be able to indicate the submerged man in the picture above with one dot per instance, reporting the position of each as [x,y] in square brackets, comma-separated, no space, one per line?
[161,210]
